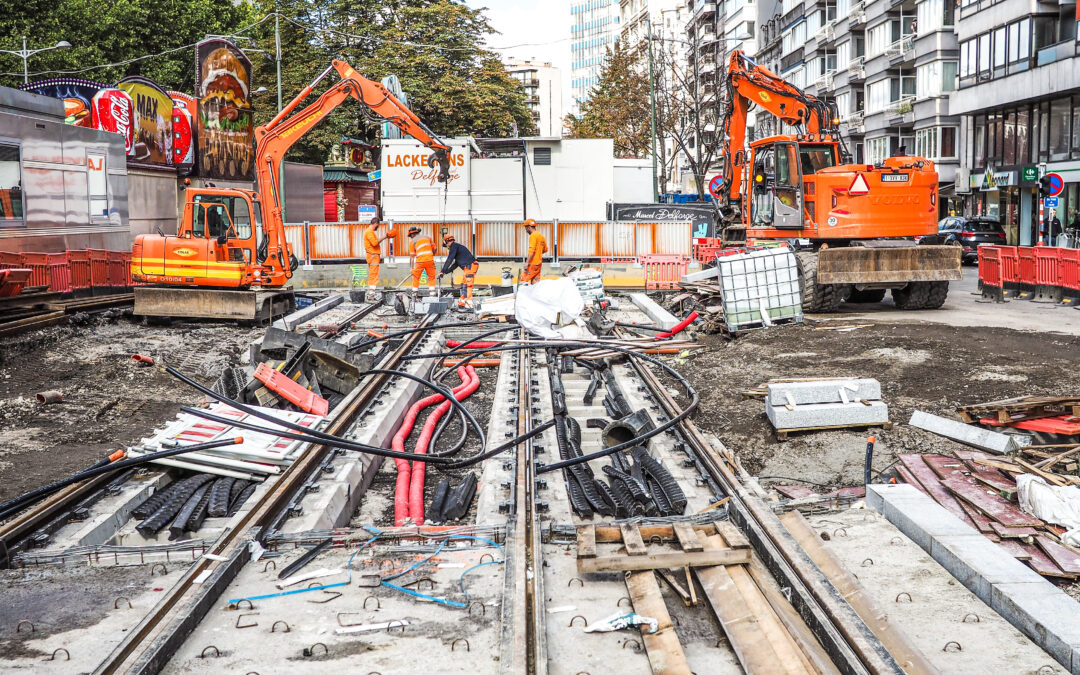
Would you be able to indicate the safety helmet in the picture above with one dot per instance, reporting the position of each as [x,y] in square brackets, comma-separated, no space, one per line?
[448,238]
[530,223]
[414,230]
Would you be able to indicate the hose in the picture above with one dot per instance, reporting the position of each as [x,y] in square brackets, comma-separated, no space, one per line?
[869,459]
[473,343]
[416,486]
[17,504]
[678,328]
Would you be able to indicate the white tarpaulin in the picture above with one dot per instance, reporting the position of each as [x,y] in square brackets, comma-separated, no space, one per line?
[1054,504]
[545,306]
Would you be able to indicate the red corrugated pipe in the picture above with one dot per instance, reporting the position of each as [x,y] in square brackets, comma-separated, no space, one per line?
[679,326]
[473,345]
[401,487]
[416,488]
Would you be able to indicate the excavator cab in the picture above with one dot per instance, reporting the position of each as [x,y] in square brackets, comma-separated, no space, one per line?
[783,185]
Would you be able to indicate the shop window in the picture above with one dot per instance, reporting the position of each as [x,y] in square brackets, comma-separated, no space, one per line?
[1060,126]
[11,192]
[1022,149]
[1009,155]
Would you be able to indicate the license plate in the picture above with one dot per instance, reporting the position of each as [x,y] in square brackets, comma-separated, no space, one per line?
[894,178]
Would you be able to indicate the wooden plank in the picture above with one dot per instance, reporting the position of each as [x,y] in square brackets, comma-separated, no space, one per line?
[741,625]
[930,481]
[1041,563]
[731,534]
[982,522]
[1065,558]
[687,537]
[1015,549]
[656,561]
[631,537]
[990,504]
[586,541]
[675,586]
[945,467]
[908,478]
[794,491]
[1006,532]
[666,656]
[611,534]
[1005,487]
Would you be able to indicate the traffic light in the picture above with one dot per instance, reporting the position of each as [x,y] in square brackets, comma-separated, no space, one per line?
[1044,186]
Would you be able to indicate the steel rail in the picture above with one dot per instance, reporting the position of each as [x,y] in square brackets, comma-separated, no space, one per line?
[148,647]
[845,636]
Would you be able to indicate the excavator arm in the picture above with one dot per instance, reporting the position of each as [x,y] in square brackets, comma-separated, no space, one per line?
[274,139]
[749,84]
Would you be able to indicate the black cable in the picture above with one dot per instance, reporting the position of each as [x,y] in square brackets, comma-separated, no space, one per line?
[416,329]
[798,480]
[448,395]
[17,504]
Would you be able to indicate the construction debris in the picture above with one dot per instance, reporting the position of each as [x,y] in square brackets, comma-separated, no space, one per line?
[824,404]
[984,439]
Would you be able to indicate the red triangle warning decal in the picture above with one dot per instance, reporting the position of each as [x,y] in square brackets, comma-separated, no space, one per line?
[859,186]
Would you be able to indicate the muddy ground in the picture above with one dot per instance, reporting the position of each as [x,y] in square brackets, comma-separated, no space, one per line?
[109,401]
[929,367]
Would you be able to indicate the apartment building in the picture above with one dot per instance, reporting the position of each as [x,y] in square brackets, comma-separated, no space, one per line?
[890,66]
[543,92]
[594,28]
[1019,97]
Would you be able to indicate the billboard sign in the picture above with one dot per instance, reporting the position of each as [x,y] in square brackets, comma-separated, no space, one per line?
[152,121]
[113,110]
[184,110]
[77,95]
[224,125]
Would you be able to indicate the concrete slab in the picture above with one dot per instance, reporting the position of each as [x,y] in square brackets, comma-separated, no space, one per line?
[307,313]
[703,275]
[978,564]
[1038,608]
[827,414]
[663,318]
[827,391]
[975,436]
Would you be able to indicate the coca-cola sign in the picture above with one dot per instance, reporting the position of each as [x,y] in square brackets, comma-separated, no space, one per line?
[112,111]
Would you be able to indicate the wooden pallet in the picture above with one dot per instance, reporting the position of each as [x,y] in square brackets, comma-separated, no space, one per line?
[782,434]
[1013,410]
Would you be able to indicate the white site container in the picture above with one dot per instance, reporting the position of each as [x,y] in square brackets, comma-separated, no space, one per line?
[759,287]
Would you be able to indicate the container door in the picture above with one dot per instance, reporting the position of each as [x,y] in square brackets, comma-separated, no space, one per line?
[787,188]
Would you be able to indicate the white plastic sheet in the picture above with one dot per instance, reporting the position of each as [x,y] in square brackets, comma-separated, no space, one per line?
[1054,504]
[547,305]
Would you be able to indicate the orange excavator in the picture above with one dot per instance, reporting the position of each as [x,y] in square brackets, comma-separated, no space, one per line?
[230,257]
[853,225]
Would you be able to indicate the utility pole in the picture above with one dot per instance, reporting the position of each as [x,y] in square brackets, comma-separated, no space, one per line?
[277,54]
[652,111]
[25,63]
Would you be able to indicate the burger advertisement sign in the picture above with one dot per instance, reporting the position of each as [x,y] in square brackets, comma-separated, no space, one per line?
[226,132]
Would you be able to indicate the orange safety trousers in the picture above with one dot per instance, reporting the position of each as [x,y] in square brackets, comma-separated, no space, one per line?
[469,279]
[532,273]
[373,260]
[421,267]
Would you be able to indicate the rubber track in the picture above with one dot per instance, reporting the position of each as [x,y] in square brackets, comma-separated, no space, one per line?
[219,497]
[175,501]
[625,504]
[605,491]
[636,489]
[198,516]
[234,492]
[659,498]
[154,501]
[588,488]
[673,494]
[179,523]
[241,498]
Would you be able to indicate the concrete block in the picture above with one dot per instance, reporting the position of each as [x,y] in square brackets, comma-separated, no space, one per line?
[978,564]
[301,315]
[703,275]
[1044,613]
[827,415]
[922,521]
[968,434]
[867,389]
[878,494]
[663,318]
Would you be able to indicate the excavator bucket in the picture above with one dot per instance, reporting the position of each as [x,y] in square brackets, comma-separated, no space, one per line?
[211,303]
[888,265]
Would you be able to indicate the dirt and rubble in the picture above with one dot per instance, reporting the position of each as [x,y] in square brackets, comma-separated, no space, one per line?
[924,366]
[109,400]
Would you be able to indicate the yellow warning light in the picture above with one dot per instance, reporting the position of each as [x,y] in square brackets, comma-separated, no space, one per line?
[835,121]
[758,178]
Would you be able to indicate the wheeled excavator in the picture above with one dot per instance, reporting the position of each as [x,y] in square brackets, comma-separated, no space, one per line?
[230,258]
[853,225]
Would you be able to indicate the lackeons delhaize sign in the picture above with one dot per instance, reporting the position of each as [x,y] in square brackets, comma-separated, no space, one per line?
[411,189]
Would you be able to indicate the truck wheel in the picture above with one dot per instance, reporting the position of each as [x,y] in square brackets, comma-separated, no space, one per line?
[817,297]
[915,295]
[868,295]
[939,290]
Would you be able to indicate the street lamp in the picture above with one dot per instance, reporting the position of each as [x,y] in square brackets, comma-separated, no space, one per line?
[25,55]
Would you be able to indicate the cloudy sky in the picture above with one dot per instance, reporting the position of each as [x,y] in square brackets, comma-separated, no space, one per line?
[531,29]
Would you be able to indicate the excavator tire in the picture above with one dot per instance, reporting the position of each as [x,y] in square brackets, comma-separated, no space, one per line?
[868,295]
[939,290]
[817,298]
[916,295]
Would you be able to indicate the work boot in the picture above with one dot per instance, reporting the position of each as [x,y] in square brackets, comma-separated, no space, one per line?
[373,296]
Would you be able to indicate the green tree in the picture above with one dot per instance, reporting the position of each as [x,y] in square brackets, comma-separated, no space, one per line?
[112,31]
[618,104]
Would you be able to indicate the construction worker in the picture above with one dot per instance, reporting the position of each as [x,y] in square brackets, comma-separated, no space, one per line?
[535,257]
[372,241]
[458,256]
[422,254]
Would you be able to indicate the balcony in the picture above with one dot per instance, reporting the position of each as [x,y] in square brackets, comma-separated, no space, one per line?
[902,109]
[855,123]
[903,49]
[531,83]
[708,66]
[857,15]
[702,9]
[1058,52]
[826,33]
[857,69]
[825,82]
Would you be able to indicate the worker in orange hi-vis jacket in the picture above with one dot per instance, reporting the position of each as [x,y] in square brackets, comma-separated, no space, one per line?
[535,258]
[372,241]
[422,253]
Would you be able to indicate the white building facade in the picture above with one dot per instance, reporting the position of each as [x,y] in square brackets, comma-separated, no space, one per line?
[543,94]
[594,28]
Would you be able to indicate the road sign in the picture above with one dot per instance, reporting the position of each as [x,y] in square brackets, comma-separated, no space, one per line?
[715,185]
[1057,184]
[1029,174]
[1050,202]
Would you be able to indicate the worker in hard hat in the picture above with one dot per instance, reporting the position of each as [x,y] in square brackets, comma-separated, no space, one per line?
[459,256]
[422,254]
[535,257]
[373,253]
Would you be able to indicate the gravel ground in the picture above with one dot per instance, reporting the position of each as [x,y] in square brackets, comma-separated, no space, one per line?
[109,401]
[928,367]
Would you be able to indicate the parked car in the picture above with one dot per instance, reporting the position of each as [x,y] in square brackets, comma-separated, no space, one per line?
[969,232]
